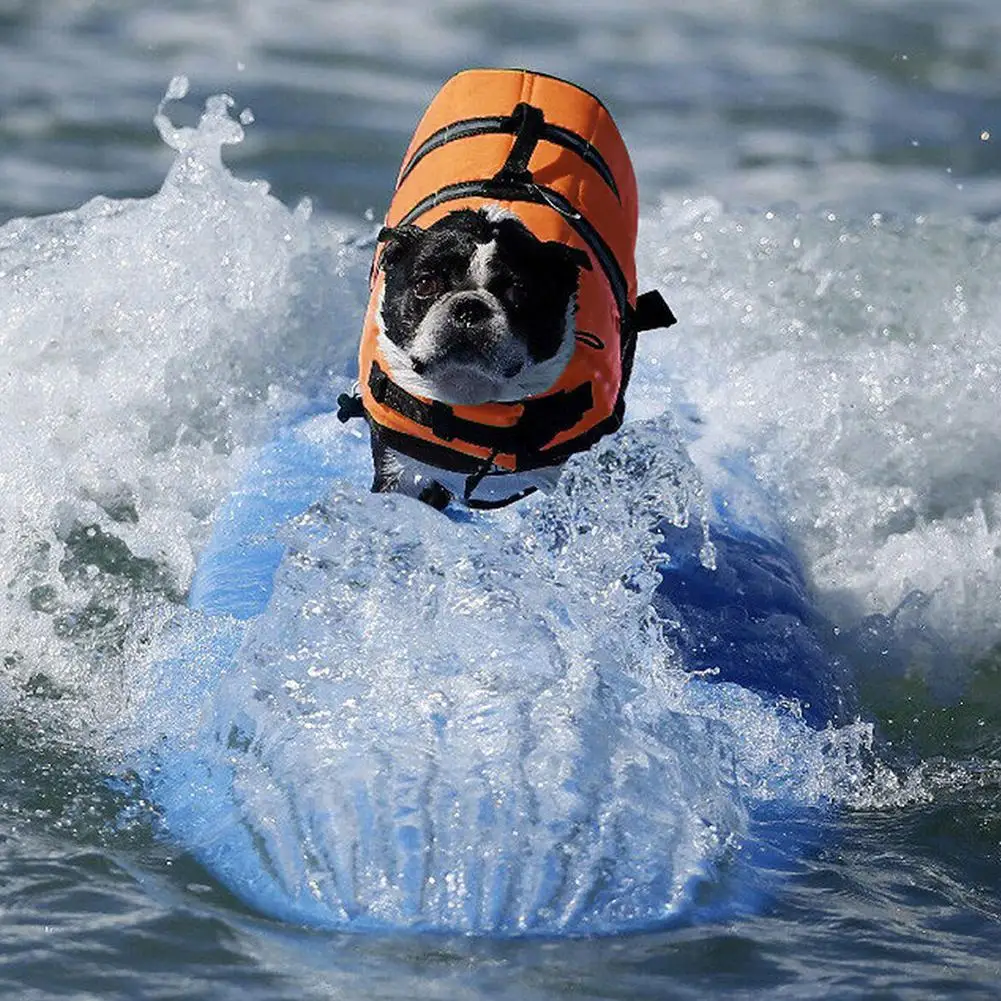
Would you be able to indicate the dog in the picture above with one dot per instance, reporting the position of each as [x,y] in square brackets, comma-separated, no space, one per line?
[475,310]
[503,314]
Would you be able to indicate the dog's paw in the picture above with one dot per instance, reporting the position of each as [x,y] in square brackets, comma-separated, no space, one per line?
[435,495]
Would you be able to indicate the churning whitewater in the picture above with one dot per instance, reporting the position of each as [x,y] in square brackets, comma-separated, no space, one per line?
[476,723]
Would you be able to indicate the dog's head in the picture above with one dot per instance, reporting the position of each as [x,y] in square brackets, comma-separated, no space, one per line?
[477,309]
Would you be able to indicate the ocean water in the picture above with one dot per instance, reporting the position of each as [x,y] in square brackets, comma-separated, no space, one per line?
[819,193]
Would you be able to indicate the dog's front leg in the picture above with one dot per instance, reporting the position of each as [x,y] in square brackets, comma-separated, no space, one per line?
[388,469]
[392,476]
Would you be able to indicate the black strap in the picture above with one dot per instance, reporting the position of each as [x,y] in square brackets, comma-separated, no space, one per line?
[475,479]
[527,122]
[651,312]
[349,405]
[494,125]
[443,456]
[541,420]
[493,505]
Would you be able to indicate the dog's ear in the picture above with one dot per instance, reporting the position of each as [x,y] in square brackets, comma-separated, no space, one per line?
[398,240]
[572,255]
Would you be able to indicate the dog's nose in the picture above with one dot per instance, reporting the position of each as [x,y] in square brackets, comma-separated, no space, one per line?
[468,312]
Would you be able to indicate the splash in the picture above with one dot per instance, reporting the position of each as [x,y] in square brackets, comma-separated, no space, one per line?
[857,365]
[504,674]
[477,726]
[147,343]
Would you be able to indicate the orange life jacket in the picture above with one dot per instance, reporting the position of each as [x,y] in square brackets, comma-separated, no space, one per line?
[548,152]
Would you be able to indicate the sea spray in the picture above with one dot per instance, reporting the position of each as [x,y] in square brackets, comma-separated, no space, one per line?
[147,343]
[152,345]
[472,725]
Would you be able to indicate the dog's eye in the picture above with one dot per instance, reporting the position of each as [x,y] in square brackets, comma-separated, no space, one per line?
[428,286]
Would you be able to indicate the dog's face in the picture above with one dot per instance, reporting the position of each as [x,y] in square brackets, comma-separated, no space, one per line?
[477,309]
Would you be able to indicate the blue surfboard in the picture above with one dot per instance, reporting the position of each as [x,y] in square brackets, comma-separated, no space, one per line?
[597,711]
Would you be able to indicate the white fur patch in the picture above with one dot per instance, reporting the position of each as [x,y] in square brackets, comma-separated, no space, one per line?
[495,212]
[479,263]
[456,384]
[397,360]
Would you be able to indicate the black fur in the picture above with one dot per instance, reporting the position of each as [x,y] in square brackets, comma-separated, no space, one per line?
[533,279]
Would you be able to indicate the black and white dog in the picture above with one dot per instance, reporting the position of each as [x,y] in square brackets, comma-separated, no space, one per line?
[475,309]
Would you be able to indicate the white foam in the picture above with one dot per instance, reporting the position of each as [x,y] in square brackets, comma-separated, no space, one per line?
[145,344]
[474,726]
[149,344]
[859,366]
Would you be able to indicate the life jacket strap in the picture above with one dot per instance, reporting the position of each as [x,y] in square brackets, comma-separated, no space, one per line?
[494,505]
[501,124]
[650,313]
[528,123]
[542,418]
[349,406]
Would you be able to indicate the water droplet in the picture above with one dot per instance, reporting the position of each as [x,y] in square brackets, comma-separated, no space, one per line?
[177,89]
